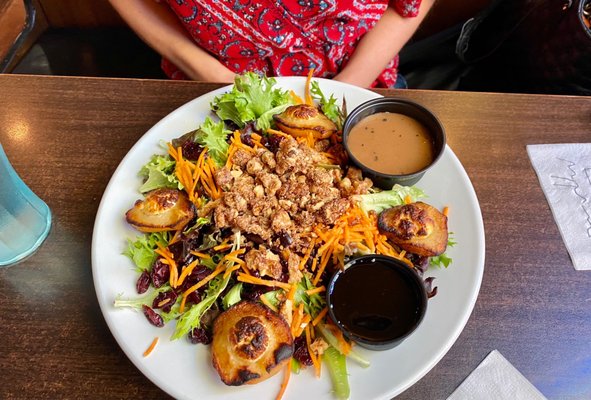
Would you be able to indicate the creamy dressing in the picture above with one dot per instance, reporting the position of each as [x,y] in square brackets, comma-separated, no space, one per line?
[391,143]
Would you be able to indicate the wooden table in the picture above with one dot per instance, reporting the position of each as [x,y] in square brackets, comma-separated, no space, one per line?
[66,136]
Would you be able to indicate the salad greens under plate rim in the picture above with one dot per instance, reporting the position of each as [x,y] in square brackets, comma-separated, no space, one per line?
[184,370]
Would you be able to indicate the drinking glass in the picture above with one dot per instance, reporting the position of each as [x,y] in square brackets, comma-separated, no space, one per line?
[25,219]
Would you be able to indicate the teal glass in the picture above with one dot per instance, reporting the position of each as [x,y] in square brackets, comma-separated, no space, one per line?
[25,219]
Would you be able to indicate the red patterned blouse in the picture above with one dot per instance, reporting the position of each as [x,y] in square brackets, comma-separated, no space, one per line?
[283,38]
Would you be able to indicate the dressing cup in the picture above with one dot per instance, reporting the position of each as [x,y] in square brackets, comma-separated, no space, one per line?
[410,109]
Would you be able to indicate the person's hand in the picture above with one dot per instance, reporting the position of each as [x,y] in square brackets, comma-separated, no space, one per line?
[208,69]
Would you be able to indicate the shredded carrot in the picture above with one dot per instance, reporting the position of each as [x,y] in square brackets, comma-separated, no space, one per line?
[285,381]
[234,259]
[164,302]
[297,99]
[323,263]
[407,199]
[200,255]
[186,271]
[319,289]
[245,269]
[320,234]
[184,171]
[305,321]
[151,347]
[445,210]
[306,256]
[320,316]
[276,132]
[258,281]
[208,181]
[199,284]
[231,270]
[353,230]
[223,246]
[307,94]
[175,237]
[292,291]
[310,140]
[314,263]
[298,314]
[235,253]
[165,253]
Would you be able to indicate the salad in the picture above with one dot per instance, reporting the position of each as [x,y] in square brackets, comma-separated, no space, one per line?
[242,222]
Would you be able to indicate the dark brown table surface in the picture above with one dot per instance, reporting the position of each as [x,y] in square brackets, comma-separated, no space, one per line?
[65,137]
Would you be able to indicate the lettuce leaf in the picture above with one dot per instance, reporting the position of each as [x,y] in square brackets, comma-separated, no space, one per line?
[213,136]
[380,201]
[328,106]
[252,98]
[138,302]
[443,260]
[159,173]
[314,303]
[141,250]
[192,318]
[233,296]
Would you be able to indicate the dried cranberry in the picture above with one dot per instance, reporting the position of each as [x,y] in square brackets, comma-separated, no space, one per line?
[431,291]
[160,273]
[301,353]
[253,292]
[421,263]
[246,135]
[169,295]
[143,283]
[254,238]
[152,316]
[191,150]
[272,142]
[198,273]
[178,251]
[285,239]
[200,335]
[194,297]
[231,125]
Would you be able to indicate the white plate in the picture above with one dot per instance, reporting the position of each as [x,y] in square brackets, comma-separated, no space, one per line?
[184,370]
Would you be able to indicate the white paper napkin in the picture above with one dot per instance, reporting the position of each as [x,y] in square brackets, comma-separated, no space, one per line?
[564,171]
[496,379]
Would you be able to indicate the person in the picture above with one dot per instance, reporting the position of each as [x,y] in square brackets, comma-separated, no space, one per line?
[352,41]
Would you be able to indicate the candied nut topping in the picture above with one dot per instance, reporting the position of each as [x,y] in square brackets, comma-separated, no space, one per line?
[279,197]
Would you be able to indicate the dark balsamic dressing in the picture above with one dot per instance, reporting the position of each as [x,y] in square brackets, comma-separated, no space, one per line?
[376,302]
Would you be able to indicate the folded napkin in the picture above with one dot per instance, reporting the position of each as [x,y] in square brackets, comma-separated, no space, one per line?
[496,379]
[564,171]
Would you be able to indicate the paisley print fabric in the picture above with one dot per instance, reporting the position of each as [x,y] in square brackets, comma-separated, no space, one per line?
[283,38]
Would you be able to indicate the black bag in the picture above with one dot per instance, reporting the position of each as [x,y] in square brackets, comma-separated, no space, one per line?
[528,46]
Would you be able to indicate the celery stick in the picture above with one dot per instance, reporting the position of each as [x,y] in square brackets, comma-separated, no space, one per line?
[337,368]
[333,341]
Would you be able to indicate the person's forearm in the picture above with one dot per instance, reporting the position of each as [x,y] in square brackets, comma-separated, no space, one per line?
[380,45]
[157,25]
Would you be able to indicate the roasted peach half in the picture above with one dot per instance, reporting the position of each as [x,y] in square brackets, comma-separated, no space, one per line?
[250,343]
[418,228]
[161,210]
[302,119]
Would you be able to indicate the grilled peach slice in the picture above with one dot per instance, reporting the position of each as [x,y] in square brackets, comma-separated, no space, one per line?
[250,343]
[416,227]
[302,119]
[161,210]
